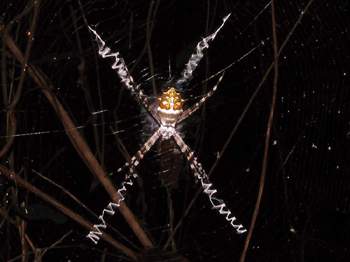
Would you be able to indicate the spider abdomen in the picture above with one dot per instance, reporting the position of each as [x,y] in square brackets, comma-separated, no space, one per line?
[170,107]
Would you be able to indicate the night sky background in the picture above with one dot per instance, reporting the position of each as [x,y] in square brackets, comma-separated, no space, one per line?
[305,209]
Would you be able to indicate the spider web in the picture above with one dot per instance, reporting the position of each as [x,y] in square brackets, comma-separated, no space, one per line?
[306,202]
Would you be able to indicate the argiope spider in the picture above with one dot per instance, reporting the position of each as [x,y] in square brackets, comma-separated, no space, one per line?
[168,114]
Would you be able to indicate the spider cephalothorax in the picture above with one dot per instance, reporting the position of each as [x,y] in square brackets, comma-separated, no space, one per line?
[170,107]
[168,114]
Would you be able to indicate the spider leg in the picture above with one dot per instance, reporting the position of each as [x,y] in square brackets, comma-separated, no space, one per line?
[207,186]
[197,105]
[133,163]
[135,160]
[95,234]
[123,73]
[197,56]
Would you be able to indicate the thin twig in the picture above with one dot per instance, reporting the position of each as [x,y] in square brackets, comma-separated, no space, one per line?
[22,226]
[56,242]
[65,191]
[98,85]
[144,49]
[84,84]
[149,28]
[267,136]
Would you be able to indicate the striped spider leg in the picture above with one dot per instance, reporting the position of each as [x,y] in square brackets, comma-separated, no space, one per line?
[135,160]
[94,235]
[207,186]
[197,105]
[123,73]
[170,110]
[192,64]
[197,56]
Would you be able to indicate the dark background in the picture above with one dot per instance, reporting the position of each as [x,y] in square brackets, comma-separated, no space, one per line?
[305,210]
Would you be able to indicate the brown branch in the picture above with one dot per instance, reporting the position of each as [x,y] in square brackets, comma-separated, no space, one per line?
[77,140]
[267,136]
[65,210]
[11,131]
[11,116]
[22,227]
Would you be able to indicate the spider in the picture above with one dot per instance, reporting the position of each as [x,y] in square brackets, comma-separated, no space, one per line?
[168,114]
